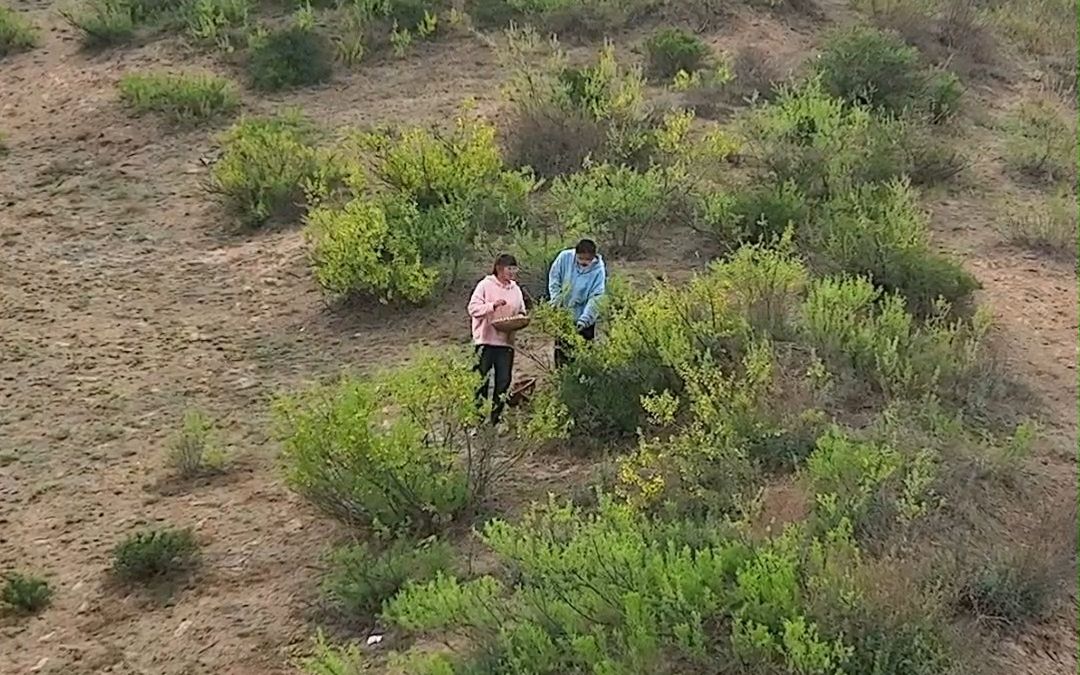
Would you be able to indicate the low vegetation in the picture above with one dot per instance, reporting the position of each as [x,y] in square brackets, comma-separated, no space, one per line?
[394,473]
[180,98]
[294,56]
[24,594]
[194,451]
[154,554]
[361,579]
[269,169]
[1040,141]
[672,50]
[17,34]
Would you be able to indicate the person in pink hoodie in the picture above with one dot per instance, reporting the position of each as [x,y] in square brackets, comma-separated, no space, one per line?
[497,296]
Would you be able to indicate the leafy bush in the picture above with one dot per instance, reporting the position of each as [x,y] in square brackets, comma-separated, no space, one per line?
[822,145]
[24,594]
[846,474]
[617,204]
[181,98]
[762,214]
[1040,141]
[361,579]
[880,231]
[294,56]
[193,451]
[154,553]
[463,169]
[850,322]
[396,452]
[365,248]
[671,50]
[266,168]
[677,596]
[17,34]
[562,115]
[875,68]
[103,23]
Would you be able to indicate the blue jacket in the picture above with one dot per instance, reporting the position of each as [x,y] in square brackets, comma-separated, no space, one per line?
[577,288]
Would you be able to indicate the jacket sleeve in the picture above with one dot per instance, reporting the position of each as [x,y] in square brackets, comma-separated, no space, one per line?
[589,315]
[479,307]
[555,280]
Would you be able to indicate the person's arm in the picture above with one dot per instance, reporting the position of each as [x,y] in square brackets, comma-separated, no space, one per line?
[555,280]
[589,315]
[479,307]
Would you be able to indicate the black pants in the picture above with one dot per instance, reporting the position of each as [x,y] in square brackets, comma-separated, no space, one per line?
[563,354]
[501,360]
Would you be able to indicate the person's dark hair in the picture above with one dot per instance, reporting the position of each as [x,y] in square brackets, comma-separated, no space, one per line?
[586,247]
[504,260]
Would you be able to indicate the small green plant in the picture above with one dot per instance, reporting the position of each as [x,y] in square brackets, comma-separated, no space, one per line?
[103,23]
[154,553]
[179,97]
[194,451]
[17,34]
[219,22]
[328,659]
[24,593]
[295,56]
[267,168]
[361,579]
[1040,141]
[670,51]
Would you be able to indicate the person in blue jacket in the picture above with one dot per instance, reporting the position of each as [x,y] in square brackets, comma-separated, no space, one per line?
[576,282]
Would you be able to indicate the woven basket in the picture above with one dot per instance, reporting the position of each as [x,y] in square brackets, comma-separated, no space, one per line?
[511,323]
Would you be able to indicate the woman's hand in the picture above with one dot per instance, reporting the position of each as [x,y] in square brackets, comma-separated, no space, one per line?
[499,303]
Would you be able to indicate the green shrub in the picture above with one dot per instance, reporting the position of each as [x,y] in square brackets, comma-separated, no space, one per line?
[851,323]
[846,475]
[180,97]
[1040,141]
[17,34]
[586,18]
[221,22]
[616,204]
[1049,227]
[396,452]
[361,580]
[366,248]
[24,594]
[678,596]
[560,114]
[761,214]
[294,56]
[871,67]
[104,23]
[1009,590]
[823,146]
[267,167]
[194,451]
[880,231]
[463,169]
[671,50]
[154,553]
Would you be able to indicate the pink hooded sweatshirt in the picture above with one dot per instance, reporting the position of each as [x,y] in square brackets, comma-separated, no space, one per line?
[482,310]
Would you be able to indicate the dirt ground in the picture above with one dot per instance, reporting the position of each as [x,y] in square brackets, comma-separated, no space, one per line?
[125,298]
